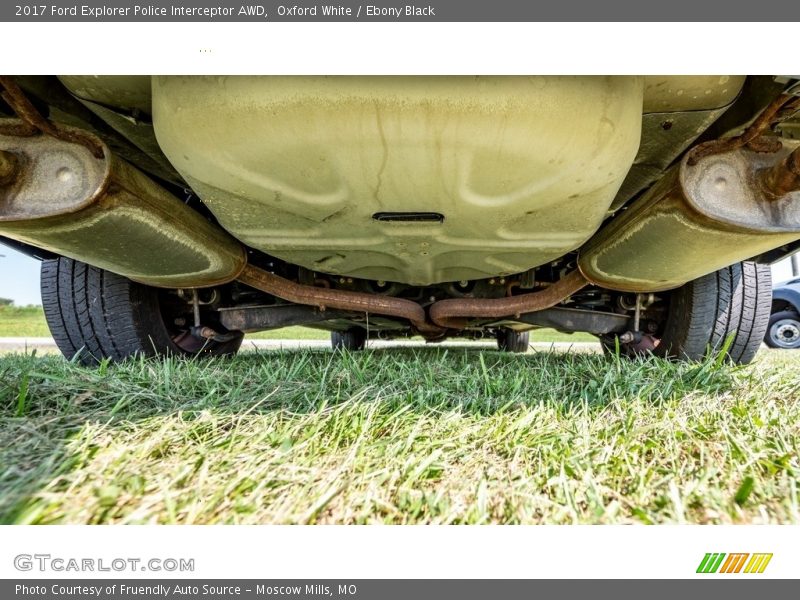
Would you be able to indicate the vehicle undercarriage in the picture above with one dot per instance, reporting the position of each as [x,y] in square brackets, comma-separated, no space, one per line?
[176,214]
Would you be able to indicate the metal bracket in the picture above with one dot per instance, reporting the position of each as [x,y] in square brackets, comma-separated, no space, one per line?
[792,82]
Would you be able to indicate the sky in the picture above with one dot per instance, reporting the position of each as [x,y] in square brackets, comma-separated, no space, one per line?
[19,276]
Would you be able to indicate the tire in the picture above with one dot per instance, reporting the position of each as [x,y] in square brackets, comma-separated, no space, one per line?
[734,301]
[509,340]
[783,330]
[352,339]
[94,314]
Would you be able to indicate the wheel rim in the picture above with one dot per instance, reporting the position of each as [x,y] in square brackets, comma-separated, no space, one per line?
[785,333]
[177,319]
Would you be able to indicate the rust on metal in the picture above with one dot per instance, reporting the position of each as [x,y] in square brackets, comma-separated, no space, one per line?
[445,314]
[765,144]
[33,121]
[783,178]
[105,212]
[779,108]
[510,287]
[339,299]
[789,110]
[16,128]
[698,219]
[9,165]
[452,313]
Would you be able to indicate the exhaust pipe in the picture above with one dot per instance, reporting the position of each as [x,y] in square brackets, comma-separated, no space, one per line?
[324,298]
[445,314]
[61,189]
[453,313]
[76,199]
[727,201]
[84,203]
[706,214]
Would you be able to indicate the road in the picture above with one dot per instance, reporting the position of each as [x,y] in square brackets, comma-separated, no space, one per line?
[44,345]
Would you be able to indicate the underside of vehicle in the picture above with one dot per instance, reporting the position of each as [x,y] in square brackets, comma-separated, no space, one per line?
[176,214]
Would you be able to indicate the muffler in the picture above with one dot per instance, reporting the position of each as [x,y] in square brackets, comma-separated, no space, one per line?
[708,213]
[71,196]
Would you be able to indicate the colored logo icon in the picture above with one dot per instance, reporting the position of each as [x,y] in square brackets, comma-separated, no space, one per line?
[719,562]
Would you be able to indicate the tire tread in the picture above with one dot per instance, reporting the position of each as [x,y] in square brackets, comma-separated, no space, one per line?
[734,301]
[94,314]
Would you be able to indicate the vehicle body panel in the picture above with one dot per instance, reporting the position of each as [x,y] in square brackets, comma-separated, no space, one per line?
[521,169]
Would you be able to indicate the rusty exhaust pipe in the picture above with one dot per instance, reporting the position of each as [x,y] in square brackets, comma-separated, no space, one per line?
[727,207]
[728,200]
[64,191]
[58,195]
[453,313]
[339,299]
[783,178]
[445,314]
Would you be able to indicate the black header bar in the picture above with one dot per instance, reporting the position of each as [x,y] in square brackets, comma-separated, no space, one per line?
[434,11]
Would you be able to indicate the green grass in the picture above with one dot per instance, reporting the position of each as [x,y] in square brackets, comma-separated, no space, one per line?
[22,321]
[29,322]
[290,333]
[430,435]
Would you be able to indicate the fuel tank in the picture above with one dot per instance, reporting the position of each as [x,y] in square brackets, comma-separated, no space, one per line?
[416,180]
